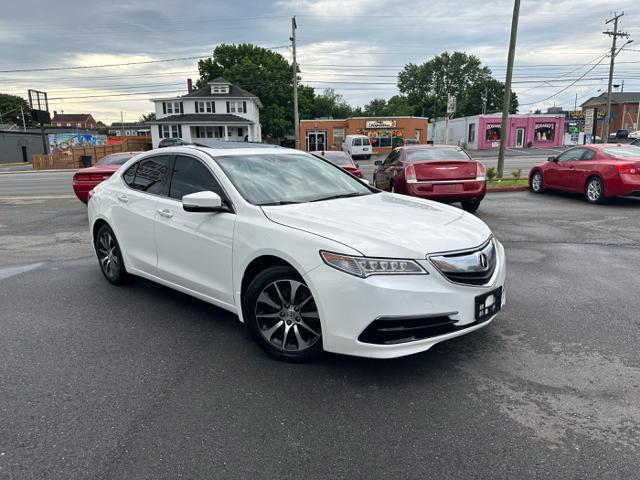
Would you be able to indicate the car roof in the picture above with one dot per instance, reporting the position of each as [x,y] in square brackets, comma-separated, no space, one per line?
[230,150]
[428,145]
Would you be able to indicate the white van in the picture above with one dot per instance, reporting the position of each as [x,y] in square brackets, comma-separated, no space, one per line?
[357,146]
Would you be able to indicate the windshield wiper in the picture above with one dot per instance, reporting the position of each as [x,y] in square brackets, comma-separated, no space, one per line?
[340,195]
[279,202]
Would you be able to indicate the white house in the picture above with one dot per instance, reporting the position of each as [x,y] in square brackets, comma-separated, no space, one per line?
[219,110]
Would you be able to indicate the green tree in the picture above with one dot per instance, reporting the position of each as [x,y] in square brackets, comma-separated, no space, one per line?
[10,109]
[472,100]
[376,108]
[263,72]
[147,117]
[427,86]
[331,104]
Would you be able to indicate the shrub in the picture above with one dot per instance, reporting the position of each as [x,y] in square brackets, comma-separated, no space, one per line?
[491,173]
[516,173]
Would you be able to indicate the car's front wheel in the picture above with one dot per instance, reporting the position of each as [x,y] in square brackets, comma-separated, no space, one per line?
[594,190]
[471,206]
[110,256]
[282,316]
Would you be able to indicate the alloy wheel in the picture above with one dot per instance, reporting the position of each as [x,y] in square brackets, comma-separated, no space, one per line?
[287,316]
[536,182]
[594,190]
[108,255]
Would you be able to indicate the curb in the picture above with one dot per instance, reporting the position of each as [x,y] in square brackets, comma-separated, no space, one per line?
[508,189]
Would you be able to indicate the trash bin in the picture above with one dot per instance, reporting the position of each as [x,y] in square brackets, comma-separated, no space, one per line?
[85,160]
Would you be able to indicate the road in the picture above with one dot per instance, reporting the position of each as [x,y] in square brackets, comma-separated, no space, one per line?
[141,382]
[36,183]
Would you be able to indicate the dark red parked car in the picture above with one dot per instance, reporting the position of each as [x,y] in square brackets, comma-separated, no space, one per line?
[341,159]
[597,171]
[438,172]
[86,179]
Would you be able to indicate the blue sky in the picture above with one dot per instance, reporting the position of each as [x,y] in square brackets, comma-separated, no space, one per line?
[356,47]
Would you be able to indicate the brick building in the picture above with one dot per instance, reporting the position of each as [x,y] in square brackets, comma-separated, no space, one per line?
[625,111]
[73,120]
[383,131]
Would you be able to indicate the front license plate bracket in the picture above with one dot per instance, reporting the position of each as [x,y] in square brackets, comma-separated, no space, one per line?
[488,304]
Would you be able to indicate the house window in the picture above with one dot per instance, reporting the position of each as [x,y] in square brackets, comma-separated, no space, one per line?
[205,107]
[171,131]
[68,124]
[493,132]
[544,132]
[240,132]
[472,133]
[172,107]
[220,89]
[78,124]
[236,107]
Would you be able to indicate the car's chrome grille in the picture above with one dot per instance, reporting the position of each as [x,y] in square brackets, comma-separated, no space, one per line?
[470,267]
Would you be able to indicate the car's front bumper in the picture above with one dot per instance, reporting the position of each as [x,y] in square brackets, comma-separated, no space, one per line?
[349,304]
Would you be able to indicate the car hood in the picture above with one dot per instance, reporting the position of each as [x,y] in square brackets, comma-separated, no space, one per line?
[385,224]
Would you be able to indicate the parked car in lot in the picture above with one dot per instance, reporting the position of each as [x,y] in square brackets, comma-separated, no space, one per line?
[341,159]
[357,146]
[636,142]
[86,179]
[438,172]
[309,257]
[171,142]
[597,171]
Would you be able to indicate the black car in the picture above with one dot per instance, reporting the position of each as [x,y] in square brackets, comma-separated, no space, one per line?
[171,142]
[636,142]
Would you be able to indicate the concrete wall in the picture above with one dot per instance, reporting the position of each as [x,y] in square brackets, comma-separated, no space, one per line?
[11,144]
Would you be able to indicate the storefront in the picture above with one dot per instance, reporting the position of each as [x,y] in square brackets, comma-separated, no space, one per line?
[384,132]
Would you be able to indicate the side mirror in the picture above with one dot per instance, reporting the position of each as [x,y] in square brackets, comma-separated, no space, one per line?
[378,163]
[202,202]
[552,159]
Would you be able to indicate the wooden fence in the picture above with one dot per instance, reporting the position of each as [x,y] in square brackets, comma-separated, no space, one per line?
[71,159]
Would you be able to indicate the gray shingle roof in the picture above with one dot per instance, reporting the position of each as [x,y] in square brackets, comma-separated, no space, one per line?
[616,97]
[202,118]
[234,92]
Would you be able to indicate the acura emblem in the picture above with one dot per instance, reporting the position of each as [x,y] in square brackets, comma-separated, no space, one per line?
[482,260]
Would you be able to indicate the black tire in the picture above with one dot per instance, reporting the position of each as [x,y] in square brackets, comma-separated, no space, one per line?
[368,157]
[281,315]
[471,206]
[110,257]
[536,184]
[594,190]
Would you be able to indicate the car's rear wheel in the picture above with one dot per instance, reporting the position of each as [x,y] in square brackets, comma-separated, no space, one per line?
[471,205]
[594,191]
[110,256]
[282,316]
[535,185]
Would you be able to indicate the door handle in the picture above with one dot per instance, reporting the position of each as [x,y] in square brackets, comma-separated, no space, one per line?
[123,198]
[164,212]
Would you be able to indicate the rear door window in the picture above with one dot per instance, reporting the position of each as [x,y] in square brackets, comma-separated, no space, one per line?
[130,174]
[151,175]
[357,142]
[365,141]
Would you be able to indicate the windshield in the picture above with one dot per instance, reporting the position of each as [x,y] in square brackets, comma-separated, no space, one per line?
[115,159]
[435,153]
[337,158]
[268,179]
[628,151]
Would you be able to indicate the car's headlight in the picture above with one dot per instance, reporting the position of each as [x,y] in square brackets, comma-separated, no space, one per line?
[366,266]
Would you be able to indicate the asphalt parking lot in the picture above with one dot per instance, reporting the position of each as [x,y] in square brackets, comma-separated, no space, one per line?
[141,382]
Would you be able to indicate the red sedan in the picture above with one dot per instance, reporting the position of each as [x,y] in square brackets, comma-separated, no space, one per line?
[86,179]
[597,171]
[438,172]
[341,159]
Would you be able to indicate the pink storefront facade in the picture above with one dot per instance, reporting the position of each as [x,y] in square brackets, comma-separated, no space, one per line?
[523,131]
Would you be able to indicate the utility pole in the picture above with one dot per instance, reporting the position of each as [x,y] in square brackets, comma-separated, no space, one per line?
[484,100]
[24,125]
[615,34]
[506,102]
[296,120]
[575,103]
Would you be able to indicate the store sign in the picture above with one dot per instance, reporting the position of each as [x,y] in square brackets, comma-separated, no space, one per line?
[380,124]
[588,121]
[546,125]
[493,125]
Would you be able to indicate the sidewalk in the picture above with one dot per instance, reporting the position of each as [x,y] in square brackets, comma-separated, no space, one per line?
[15,167]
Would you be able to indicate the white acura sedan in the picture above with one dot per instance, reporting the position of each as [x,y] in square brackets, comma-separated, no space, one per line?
[308,256]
